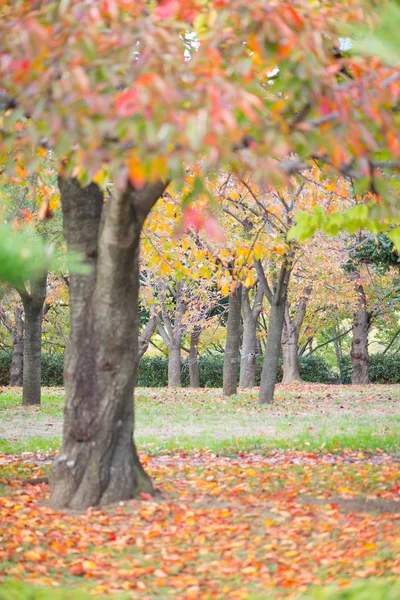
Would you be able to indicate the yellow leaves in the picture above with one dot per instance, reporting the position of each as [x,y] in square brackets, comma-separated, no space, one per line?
[99,177]
[33,556]
[165,268]
[225,288]
[249,281]
[139,172]
[170,209]
[258,251]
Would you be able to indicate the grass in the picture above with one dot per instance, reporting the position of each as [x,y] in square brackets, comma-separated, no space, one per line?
[371,589]
[315,418]
[251,511]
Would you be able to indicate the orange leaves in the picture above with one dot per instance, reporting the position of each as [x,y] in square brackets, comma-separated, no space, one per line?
[141,172]
[281,520]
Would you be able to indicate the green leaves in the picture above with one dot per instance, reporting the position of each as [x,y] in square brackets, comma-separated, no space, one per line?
[23,256]
[352,220]
[384,41]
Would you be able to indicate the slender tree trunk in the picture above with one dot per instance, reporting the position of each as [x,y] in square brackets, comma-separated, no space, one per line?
[272,352]
[290,341]
[146,336]
[359,345]
[33,302]
[194,358]
[98,463]
[16,370]
[174,366]
[338,351]
[249,353]
[232,346]
[249,344]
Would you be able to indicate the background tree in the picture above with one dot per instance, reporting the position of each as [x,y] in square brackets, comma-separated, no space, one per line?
[123,101]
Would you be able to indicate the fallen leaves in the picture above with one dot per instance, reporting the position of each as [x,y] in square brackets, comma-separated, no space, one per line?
[222,527]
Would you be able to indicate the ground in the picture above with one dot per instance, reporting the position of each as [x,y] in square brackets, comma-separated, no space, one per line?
[258,503]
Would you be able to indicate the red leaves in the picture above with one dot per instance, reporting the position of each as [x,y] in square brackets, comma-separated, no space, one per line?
[166,9]
[272,518]
[126,103]
[197,220]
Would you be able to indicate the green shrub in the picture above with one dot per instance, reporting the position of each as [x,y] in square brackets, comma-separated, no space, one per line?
[153,370]
[382,369]
[315,369]
[5,364]
[52,368]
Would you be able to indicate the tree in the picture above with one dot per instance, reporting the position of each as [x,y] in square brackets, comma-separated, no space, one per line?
[120,103]
[290,338]
[251,310]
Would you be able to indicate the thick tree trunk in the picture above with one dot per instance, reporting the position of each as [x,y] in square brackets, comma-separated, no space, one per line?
[194,358]
[272,352]
[290,341]
[33,312]
[17,361]
[232,346]
[174,366]
[98,463]
[359,345]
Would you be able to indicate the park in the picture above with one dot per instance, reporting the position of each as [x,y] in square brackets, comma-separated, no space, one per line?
[199,300]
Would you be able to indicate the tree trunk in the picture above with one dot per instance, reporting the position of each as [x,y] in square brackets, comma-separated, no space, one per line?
[33,302]
[338,352]
[146,336]
[290,341]
[232,346]
[16,369]
[249,344]
[272,352]
[194,358]
[249,353]
[174,366]
[98,463]
[359,345]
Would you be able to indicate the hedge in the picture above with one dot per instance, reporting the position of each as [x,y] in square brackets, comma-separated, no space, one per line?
[153,370]
[52,368]
[382,369]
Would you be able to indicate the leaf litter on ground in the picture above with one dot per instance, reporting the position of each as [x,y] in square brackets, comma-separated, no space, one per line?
[221,527]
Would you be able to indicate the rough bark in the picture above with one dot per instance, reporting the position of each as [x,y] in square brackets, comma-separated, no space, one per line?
[359,345]
[194,358]
[276,295]
[272,352]
[98,463]
[290,339]
[174,366]
[232,345]
[250,316]
[17,361]
[33,302]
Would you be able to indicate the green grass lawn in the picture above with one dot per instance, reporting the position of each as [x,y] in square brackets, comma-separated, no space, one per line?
[310,417]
